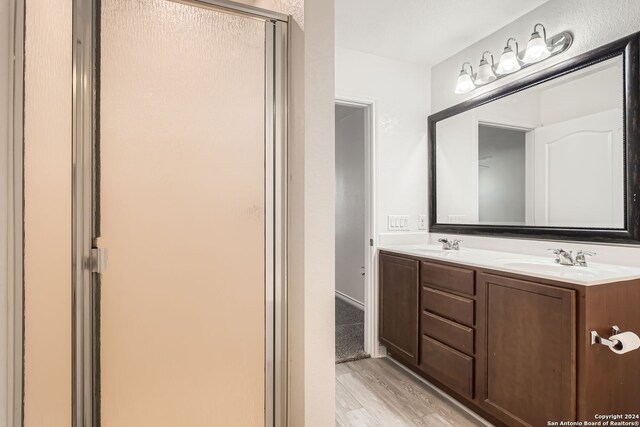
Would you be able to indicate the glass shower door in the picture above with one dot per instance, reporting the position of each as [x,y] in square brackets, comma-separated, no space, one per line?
[183,212]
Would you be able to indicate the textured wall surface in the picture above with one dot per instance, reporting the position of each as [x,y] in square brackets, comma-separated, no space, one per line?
[399,90]
[593,24]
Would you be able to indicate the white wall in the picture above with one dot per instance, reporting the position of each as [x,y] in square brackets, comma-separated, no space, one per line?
[350,202]
[399,90]
[593,23]
[4,144]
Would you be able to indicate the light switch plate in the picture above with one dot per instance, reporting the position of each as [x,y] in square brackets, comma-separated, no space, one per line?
[422,222]
[398,223]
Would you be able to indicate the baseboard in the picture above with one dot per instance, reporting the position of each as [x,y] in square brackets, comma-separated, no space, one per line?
[443,394]
[349,300]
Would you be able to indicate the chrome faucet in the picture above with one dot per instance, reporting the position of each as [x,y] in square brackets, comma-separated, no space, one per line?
[449,245]
[581,258]
[566,258]
[563,257]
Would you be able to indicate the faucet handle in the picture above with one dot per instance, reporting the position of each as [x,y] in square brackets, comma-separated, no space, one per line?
[456,244]
[443,240]
[563,257]
[587,253]
[581,257]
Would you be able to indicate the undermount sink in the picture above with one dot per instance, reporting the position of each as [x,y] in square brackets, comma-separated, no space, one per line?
[557,269]
[432,250]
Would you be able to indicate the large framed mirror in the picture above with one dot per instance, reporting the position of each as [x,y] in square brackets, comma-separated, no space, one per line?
[554,155]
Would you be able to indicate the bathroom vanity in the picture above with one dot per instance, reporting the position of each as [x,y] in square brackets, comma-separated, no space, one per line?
[509,336]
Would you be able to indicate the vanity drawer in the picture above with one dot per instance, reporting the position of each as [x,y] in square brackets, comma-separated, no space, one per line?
[448,366]
[452,307]
[451,333]
[455,279]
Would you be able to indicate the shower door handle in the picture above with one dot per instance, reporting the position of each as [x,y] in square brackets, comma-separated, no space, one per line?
[98,261]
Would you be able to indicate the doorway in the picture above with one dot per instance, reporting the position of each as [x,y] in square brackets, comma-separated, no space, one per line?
[354,238]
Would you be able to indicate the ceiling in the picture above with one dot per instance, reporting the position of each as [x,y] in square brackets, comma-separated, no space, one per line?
[422,31]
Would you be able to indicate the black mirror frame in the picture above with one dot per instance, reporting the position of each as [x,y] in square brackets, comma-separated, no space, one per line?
[628,47]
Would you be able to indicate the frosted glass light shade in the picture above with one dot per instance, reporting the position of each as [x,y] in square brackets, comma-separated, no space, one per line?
[465,83]
[537,49]
[508,62]
[485,73]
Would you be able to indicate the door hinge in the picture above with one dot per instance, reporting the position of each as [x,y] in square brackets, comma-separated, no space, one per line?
[98,261]
[370,242]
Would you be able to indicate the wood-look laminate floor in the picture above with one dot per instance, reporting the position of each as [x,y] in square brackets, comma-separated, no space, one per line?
[377,392]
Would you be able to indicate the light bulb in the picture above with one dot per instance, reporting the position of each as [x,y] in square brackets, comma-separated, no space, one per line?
[508,62]
[485,73]
[537,49]
[465,83]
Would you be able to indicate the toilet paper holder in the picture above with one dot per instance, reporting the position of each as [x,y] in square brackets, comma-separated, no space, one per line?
[597,339]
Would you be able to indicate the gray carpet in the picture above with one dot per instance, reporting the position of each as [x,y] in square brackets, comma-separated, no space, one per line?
[349,332]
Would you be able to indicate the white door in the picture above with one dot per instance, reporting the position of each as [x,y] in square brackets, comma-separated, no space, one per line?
[579,172]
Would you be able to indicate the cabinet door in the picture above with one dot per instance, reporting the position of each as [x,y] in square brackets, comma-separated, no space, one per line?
[527,372]
[399,310]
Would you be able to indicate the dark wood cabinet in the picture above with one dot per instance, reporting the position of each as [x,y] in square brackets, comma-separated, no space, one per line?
[513,348]
[528,355]
[399,301]
[456,308]
[447,365]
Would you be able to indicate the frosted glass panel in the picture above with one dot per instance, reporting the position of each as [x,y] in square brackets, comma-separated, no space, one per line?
[47,213]
[182,216]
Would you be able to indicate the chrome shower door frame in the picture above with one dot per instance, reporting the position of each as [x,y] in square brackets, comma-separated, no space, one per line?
[85,337]
[15,219]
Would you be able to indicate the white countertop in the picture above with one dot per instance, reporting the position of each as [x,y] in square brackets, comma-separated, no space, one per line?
[529,265]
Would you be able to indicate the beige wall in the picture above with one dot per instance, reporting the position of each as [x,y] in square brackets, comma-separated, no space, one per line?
[311,210]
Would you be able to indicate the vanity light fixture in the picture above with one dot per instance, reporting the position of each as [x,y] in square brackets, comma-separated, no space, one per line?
[538,49]
[485,71]
[509,62]
[465,80]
